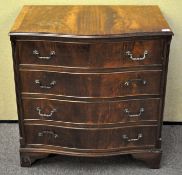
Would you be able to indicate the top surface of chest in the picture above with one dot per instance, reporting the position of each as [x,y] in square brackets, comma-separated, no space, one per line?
[90,21]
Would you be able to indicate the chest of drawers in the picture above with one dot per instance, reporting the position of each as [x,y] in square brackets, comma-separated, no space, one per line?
[90,80]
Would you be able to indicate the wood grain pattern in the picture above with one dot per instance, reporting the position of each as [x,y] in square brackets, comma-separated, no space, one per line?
[95,80]
[92,85]
[92,55]
[90,113]
[89,138]
[90,20]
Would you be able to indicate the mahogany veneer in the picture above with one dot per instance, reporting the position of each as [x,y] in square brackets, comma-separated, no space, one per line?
[90,80]
[91,55]
[91,113]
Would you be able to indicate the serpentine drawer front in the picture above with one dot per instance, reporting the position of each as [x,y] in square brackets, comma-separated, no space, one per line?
[102,139]
[90,80]
[92,55]
[91,113]
[91,85]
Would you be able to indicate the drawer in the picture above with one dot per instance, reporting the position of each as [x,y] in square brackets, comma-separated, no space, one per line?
[91,113]
[91,55]
[80,138]
[91,85]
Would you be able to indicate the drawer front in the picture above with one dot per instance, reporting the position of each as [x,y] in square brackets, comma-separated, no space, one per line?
[80,138]
[91,113]
[91,55]
[91,85]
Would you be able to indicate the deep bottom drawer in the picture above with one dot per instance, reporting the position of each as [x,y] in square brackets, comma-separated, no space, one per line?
[79,138]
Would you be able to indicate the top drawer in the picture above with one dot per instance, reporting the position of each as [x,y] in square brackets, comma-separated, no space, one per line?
[91,55]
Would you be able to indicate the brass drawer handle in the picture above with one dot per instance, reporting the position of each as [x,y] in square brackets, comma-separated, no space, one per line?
[37,54]
[51,133]
[142,81]
[43,114]
[45,86]
[125,137]
[135,58]
[134,115]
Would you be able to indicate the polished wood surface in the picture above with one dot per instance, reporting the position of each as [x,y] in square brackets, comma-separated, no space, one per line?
[92,85]
[91,113]
[90,81]
[101,139]
[90,20]
[92,55]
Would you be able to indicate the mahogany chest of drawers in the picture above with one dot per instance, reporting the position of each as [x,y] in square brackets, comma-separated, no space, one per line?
[90,80]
